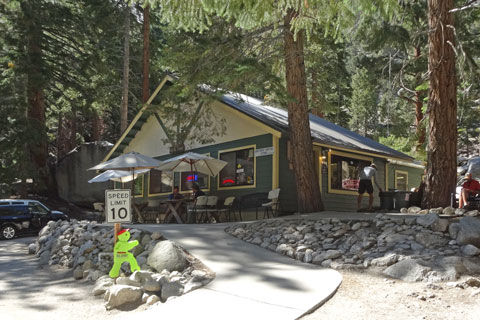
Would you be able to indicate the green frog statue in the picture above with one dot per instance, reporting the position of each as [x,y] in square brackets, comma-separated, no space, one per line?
[121,254]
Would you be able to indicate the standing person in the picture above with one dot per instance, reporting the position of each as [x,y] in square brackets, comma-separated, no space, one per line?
[366,174]
[469,186]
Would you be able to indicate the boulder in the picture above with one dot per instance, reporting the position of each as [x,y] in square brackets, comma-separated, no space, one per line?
[327,255]
[449,211]
[78,273]
[472,213]
[409,270]
[430,241]
[440,225]
[385,261]
[470,250]
[119,295]
[472,265]
[453,229]
[469,232]
[152,299]
[127,282]
[427,220]
[152,286]
[414,210]
[32,248]
[102,285]
[156,236]
[171,289]
[141,276]
[166,255]
[438,210]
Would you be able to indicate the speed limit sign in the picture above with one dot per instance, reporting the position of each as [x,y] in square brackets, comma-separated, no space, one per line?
[117,206]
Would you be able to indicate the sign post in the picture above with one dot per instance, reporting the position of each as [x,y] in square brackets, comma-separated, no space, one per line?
[117,208]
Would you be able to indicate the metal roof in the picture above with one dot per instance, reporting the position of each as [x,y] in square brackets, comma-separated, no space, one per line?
[322,131]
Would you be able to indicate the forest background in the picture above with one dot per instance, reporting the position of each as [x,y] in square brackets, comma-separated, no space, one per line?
[78,71]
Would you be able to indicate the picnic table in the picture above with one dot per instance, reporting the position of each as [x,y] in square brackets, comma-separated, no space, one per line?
[173,207]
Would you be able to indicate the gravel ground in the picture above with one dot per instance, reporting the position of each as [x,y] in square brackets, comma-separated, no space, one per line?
[371,296]
[28,292]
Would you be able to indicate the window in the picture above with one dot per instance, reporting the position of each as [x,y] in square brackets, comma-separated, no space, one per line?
[37,208]
[189,178]
[240,170]
[401,180]
[138,186]
[344,172]
[160,182]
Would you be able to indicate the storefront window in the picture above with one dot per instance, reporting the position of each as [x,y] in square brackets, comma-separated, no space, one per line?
[160,182]
[138,186]
[189,178]
[401,180]
[240,170]
[345,172]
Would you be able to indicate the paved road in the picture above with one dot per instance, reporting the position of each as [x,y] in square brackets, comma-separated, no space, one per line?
[251,282]
[29,292]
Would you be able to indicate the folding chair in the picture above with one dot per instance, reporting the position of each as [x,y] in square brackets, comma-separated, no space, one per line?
[199,205]
[271,206]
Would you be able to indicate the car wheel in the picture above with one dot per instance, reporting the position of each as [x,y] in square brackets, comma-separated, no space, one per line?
[8,232]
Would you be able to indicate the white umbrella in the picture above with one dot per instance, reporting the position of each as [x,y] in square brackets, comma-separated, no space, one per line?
[128,161]
[117,175]
[193,162]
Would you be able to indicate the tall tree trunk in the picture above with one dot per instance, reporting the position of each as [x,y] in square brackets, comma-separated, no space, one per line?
[418,111]
[146,54]
[308,191]
[316,104]
[67,133]
[98,126]
[37,146]
[126,62]
[442,106]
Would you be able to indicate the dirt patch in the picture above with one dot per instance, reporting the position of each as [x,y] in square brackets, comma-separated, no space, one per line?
[369,295]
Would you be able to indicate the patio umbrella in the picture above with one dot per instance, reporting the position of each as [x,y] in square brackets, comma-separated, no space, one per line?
[129,161]
[117,175]
[193,162]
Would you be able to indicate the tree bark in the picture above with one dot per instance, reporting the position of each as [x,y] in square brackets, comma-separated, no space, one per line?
[67,133]
[146,54]
[126,62]
[442,107]
[316,104]
[44,182]
[98,127]
[418,111]
[308,191]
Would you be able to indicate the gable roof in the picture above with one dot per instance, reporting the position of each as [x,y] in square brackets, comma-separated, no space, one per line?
[323,132]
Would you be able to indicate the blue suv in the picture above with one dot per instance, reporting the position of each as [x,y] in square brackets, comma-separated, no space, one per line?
[24,216]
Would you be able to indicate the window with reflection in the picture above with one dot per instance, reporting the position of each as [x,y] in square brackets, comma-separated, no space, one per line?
[160,182]
[188,179]
[240,168]
[344,172]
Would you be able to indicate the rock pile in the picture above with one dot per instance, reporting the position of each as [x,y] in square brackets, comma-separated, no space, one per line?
[166,269]
[424,248]
[448,211]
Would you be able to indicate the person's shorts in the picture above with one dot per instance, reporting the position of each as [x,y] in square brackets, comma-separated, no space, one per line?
[365,185]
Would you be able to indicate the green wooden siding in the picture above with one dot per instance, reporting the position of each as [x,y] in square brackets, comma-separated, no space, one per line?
[414,175]
[286,181]
[263,167]
[348,202]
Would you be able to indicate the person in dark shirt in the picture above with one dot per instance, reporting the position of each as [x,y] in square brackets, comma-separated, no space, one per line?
[469,186]
[175,195]
[196,192]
